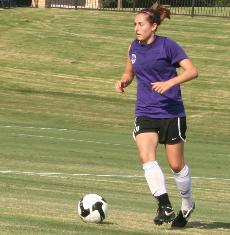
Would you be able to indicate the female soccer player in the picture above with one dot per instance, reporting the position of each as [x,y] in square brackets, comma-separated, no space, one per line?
[160,114]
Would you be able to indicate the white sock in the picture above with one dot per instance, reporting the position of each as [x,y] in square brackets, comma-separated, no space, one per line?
[184,184]
[155,178]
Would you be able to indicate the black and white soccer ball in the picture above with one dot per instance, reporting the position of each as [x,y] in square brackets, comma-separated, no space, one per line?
[92,208]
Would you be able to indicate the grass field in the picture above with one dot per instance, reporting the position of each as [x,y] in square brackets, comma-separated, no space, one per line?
[61,119]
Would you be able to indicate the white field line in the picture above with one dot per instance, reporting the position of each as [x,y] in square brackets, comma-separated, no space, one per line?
[55,174]
[56,138]
[38,128]
[67,139]
[60,174]
[64,174]
[84,141]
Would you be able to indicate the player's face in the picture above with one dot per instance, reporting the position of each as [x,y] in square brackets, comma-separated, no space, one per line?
[143,29]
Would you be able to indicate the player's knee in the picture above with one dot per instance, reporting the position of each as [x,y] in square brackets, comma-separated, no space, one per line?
[176,168]
[146,157]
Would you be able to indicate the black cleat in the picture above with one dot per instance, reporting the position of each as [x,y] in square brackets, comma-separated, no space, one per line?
[165,214]
[182,218]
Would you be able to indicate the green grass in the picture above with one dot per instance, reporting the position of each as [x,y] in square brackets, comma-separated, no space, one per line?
[59,113]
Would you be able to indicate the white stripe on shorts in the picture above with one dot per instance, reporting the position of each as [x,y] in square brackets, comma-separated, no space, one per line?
[134,137]
[178,122]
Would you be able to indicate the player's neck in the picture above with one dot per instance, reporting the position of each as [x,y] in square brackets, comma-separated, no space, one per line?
[148,41]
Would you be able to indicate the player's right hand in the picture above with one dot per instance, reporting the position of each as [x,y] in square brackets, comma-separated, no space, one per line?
[119,86]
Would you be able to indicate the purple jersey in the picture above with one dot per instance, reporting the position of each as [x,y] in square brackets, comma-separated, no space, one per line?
[152,63]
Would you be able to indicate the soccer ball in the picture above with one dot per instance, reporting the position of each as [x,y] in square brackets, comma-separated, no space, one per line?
[92,208]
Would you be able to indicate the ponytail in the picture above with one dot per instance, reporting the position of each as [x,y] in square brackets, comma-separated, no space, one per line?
[156,13]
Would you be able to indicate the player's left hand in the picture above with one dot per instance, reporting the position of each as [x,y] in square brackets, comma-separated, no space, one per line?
[161,87]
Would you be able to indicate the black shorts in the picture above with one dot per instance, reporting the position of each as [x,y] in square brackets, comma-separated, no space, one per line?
[170,130]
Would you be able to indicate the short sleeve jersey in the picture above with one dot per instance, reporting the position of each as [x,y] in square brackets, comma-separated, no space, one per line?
[157,62]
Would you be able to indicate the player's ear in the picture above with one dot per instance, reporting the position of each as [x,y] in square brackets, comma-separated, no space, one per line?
[154,27]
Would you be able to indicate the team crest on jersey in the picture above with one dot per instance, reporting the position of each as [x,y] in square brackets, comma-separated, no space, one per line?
[133,58]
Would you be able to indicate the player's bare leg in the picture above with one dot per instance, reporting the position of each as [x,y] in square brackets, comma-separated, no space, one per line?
[175,154]
[147,145]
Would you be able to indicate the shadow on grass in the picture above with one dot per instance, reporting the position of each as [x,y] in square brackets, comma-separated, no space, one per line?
[108,223]
[103,223]
[208,225]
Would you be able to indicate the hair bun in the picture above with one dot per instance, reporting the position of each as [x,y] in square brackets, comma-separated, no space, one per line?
[162,9]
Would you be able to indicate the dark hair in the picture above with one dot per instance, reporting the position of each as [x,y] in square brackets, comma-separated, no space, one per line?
[156,13]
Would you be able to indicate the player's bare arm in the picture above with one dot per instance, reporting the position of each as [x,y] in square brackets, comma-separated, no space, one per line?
[189,72]
[127,78]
